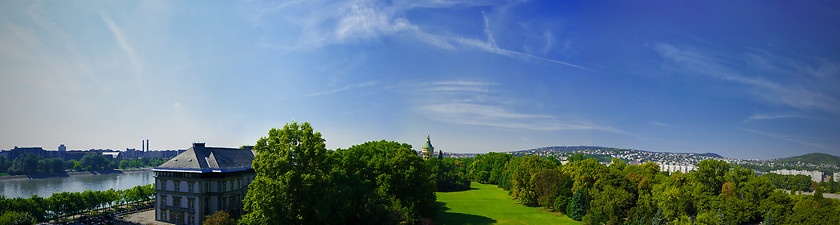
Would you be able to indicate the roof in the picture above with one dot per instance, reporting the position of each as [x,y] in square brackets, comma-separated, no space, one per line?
[428,143]
[200,159]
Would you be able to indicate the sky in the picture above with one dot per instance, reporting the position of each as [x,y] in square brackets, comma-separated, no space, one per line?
[744,79]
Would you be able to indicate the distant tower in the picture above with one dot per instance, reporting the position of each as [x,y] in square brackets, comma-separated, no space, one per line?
[147,145]
[428,149]
[142,145]
[62,148]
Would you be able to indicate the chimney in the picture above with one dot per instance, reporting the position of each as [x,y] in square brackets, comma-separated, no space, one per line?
[142,145]
[147,145]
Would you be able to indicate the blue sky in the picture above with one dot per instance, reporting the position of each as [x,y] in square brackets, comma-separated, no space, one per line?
[745,79]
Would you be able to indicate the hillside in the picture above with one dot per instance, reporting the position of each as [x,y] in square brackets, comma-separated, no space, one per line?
[813,158]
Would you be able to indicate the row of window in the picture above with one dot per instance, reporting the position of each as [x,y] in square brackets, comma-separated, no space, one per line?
[236,184]
[176,202]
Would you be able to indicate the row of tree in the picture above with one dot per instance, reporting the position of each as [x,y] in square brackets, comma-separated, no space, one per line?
[38,209]
[792,182]
[449,174]
[587,190]
[29,164]
[141,162]
[299,181]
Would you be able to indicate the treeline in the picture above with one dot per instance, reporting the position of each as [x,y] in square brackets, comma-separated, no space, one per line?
[619,193]
[31,164]
[792,182]
[28,164]
[38,209]
[449,174]
[299,181]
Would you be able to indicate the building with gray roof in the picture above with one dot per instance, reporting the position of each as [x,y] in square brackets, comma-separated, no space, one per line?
[201,181]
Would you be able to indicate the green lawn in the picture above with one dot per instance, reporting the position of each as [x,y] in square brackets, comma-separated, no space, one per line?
[488,204]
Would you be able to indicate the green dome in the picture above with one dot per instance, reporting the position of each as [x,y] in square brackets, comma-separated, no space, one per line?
[428,144]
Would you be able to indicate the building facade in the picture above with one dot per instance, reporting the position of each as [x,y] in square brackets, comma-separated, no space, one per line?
[816,176]
[201,181]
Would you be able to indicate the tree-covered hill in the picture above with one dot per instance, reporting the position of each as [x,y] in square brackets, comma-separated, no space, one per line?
[813,158]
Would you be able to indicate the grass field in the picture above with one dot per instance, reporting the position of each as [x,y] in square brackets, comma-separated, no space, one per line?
[488,204]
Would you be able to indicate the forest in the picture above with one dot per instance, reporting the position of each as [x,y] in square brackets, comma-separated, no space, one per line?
[386,182]
[595,193]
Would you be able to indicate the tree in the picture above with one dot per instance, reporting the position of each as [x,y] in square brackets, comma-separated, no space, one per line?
[293,177]
[17,218]
[522,188]
[219,218]
[94,162]
[578,205]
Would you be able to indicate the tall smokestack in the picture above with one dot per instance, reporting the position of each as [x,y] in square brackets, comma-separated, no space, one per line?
[147,145]
[142,145]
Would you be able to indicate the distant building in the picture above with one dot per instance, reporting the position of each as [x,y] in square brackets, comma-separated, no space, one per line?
[62,148]
[670,168]
[816,176]
[201,181]
[428,149]
[836,177]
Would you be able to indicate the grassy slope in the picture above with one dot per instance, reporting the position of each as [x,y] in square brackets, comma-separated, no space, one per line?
[488,204]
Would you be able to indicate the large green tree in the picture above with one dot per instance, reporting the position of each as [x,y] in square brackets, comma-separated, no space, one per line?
[292,166]
[299,181]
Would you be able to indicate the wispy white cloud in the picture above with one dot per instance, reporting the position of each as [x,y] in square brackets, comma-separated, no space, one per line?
[135,61]
[468,86]
[496,116]
[361,20]
[794,91]
[755,117]
[660,124]
[808,141]
[471,102]
[345,88]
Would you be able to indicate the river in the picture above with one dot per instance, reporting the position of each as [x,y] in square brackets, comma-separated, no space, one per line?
[46,187]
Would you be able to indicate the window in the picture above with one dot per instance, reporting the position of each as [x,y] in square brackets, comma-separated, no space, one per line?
[176,202]
[163,200]
[206,206]
[191,219]
[177,186]
[163,185]
[191,203]
[191,186]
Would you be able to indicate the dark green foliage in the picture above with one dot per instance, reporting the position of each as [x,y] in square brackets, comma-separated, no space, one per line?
[790,182]
[64,203]
[449,174]
[141,162]
[31,164]
[219,218]
[492,163]
[578,205]
[769,219]
[16,218]
[551,185]
[300,182]
[813,158]
[523,179]
[95,162]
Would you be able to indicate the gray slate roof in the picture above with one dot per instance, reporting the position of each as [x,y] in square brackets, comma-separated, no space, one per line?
[200,159]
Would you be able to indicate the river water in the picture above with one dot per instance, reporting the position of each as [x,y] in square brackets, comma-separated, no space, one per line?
[46,187]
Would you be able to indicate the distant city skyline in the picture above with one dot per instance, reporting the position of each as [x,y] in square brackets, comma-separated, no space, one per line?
[746,79]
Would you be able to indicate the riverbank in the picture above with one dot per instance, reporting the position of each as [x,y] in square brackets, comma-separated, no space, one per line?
[72,174]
